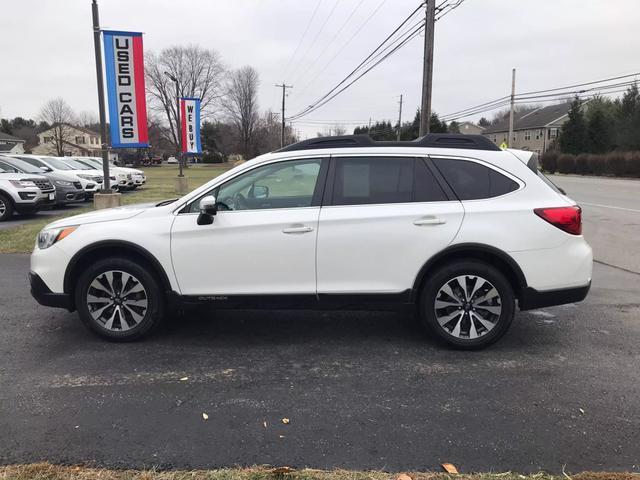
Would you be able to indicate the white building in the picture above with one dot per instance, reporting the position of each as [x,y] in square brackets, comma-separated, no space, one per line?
[10,144]
[76,141]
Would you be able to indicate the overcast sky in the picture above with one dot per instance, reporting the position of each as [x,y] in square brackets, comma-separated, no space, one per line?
[48,49]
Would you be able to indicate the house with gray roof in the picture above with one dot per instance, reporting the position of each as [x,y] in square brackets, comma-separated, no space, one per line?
[11,144]
[534,130]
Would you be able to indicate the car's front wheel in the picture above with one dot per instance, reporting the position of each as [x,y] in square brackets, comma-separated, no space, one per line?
[119,299]
[468,304]
[6,208]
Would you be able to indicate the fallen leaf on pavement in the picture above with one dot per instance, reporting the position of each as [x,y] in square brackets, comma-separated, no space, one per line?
[581,411]
[404,476]
[449,468]
[285,420]
[205,416]
[283,470]
[184,379]
[265,424]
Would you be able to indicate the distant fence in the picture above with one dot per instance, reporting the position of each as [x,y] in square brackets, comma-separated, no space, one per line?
[618,164]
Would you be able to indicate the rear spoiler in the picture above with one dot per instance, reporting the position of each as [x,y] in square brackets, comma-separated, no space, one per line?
[530,159]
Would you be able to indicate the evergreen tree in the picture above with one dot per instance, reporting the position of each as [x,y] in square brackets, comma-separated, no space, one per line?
[573,138]
[599,131]
[484,122]
[628,121]
[454,127]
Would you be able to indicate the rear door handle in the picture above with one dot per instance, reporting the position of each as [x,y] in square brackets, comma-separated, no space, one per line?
[297,229]
[429,221]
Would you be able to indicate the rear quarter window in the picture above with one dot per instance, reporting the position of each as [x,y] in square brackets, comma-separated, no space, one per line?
[473,181]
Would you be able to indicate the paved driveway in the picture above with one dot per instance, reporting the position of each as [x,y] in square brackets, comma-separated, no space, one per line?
[361,390]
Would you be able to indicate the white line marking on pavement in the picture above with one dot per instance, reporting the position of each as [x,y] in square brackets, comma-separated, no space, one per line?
[609,206]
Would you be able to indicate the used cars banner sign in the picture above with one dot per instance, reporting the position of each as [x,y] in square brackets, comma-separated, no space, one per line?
[124,65]
[190,120]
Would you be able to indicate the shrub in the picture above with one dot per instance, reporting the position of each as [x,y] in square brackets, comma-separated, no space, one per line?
[597,164]
[633,164]
[212,157]
[567,163]
[582,164]
[616,164]
[549,161]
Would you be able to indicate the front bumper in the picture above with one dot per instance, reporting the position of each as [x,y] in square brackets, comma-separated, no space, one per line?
[532,298]
[66,195]
[44,296]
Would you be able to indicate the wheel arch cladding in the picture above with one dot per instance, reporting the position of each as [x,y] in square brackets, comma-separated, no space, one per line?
[106,249]
[472,251]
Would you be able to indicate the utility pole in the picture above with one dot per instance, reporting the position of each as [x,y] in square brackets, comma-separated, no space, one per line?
[178,129]
[284,87]
[400,118]
[427,70]
[106,187]
[513,103]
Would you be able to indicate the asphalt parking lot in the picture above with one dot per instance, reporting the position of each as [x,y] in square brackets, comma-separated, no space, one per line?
[361,390]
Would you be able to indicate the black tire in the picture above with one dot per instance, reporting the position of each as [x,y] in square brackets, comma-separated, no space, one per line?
[153,295]
[446,275]
[6,208]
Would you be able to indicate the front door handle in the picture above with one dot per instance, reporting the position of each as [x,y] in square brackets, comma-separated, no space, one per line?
[431,220]
[297,229]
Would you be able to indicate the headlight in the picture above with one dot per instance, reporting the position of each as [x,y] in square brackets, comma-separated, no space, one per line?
[62,183]
[22,183]
[46,238]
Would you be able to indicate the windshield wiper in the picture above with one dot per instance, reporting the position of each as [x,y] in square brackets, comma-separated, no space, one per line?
[166,202]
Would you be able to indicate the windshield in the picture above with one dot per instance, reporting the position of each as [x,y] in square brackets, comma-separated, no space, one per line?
[24,166]
[77,165]
[58,164]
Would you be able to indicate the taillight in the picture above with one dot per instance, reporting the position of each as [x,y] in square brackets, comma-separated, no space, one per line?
[568,219]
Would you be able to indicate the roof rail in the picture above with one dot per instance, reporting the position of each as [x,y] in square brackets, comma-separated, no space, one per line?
[434,140]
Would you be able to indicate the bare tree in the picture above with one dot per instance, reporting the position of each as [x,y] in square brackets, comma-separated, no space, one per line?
[334,130]
[241,105]
[87,118]
[200,74]
[57,113]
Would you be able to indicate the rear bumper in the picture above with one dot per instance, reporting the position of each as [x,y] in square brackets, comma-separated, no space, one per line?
[532,298]
[44,296]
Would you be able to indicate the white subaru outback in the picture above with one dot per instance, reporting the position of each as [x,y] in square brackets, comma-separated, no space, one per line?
[449,226]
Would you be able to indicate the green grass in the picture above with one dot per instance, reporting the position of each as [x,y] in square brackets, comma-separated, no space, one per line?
[160,186]
[46,471]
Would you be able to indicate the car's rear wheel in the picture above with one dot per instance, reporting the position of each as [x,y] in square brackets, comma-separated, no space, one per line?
[119,299]
[467,304]
[6,208]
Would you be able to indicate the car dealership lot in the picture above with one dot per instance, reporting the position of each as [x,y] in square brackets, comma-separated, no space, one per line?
[365,390]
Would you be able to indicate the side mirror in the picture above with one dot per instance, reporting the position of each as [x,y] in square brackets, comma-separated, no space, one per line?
[260,191]
[208,208]
[45,169]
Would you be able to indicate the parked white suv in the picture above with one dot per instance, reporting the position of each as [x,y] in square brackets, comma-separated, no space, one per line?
[23,193]
[448,224]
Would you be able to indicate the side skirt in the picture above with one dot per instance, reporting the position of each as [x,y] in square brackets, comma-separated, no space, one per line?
[387,301]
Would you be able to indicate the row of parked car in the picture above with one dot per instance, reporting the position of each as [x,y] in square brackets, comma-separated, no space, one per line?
[29,183]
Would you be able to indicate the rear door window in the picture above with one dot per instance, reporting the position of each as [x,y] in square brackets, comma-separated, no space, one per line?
[473,181]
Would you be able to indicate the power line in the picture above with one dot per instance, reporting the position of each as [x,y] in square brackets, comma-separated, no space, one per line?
[341,49]
[326,100]
[315,39]
[333,39]
[355,70]
[304,34]
[559,92]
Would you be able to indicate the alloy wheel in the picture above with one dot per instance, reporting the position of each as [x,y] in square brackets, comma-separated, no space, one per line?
[117,300]
[3,208]
[468,307]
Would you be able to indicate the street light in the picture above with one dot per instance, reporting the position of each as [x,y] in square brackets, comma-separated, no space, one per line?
[179,132]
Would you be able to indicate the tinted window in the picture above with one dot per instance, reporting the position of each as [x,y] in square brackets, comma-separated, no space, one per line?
[426,187]
[8,168]
[373,180]
[277,185]
[471,181]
